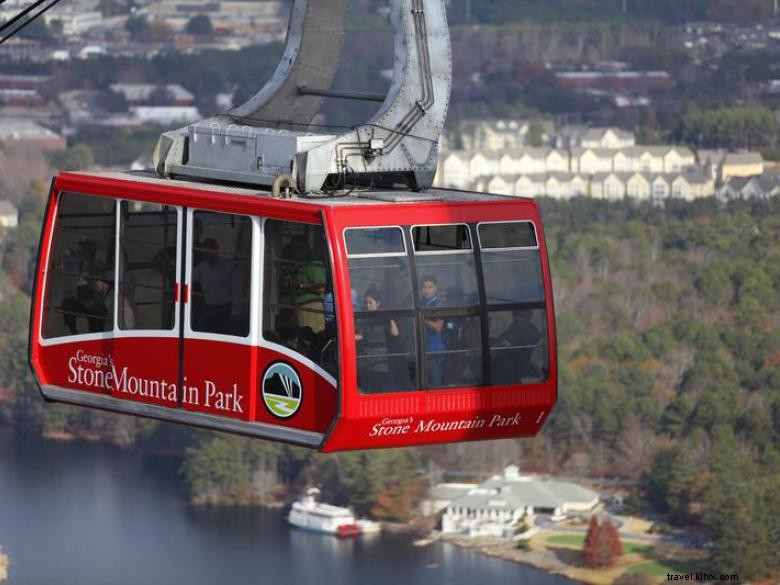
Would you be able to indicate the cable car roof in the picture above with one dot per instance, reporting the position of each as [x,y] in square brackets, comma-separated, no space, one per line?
[357,197]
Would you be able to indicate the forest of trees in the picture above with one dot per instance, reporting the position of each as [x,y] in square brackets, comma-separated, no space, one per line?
[669,341]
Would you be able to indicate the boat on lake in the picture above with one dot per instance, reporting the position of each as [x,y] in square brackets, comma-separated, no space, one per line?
[309,513]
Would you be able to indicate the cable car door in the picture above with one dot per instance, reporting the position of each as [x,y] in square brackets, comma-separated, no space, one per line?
[145,345]
[218,338]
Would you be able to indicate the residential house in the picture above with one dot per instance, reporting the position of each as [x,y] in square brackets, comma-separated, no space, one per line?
[482,164]
[742,164]
[608,185]
[530,186]
[454,170]
[758,187]
[500,185]
[9,216]
[20,131]
[589,161]
[654,159]
[499,134]
[575,136]
[639,186]
[723,165]
[607,138]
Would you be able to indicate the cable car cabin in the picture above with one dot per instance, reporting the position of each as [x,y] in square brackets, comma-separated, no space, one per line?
[377,319]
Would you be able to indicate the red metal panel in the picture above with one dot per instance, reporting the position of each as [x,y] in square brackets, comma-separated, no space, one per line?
[430,417]
[189,197]
[39,288]
[222,378]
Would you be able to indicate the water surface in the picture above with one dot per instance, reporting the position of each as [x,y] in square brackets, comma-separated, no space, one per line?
[78,513]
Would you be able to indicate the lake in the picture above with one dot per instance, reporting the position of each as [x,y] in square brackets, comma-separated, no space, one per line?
[76,513]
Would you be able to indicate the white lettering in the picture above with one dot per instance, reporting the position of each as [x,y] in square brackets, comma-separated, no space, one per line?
[100,371]
[72,370]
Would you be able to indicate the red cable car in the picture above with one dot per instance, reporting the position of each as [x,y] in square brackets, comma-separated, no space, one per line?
[376,319]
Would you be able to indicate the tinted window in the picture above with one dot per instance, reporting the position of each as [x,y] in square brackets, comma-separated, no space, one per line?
[299,305]
[507,235]
[221,266]
[386,353]
[363,241]
[512,276]
[441,238]
[453,350]
[518,347]
[80,280]
[447,278]
[391,275]
[455,278]
[148,244]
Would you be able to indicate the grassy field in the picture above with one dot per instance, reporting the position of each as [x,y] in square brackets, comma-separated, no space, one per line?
[661,568]
[578,541]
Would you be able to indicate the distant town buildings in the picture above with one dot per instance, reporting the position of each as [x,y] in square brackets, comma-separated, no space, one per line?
[29,132]
[587,137]
[616,80]
[604,163]
[137,94]
[498,506]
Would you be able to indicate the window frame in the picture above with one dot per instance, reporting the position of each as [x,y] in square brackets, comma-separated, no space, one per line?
[188,333]
[511,248]
[470,250]
[481,310]
[379,255]
[260,299]
[120,333]
[83,337]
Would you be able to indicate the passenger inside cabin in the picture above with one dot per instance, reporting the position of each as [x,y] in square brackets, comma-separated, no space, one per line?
[222,297]
[521,339]
[308,284]
[374,341]
[434,330]
[90,292]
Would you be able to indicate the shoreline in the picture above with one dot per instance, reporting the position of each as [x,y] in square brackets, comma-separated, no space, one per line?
[505,550]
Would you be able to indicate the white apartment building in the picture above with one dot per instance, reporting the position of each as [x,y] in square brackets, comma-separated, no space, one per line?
[611,185]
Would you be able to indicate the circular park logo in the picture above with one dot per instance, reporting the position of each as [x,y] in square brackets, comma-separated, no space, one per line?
[282,390]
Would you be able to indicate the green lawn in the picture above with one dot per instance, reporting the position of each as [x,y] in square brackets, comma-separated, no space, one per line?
[633,548]
[661,568]
[578,541]
[574,540]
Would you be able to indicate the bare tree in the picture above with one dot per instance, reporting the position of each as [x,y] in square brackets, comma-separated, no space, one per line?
[636,449]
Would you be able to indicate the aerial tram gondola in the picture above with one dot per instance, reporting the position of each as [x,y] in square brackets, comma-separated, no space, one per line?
[308,300]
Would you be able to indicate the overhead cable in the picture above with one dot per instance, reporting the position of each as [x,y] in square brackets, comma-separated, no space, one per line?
[18,22]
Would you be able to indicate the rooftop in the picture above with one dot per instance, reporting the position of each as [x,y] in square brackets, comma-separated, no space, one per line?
[511,491]
[354,198]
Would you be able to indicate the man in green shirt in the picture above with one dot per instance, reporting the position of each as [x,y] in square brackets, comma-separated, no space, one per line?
[310,292]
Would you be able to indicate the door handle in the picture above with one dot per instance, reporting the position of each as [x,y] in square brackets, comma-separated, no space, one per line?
[184,290]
